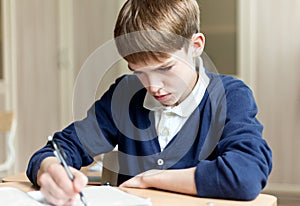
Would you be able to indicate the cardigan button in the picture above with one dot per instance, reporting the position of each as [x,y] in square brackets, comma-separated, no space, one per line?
[160,162]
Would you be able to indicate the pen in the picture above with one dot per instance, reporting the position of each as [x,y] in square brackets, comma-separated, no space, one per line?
[60,154]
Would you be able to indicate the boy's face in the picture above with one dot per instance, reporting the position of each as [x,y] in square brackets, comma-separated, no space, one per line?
[170,81]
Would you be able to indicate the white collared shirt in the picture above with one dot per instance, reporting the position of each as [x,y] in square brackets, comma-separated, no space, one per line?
[169,120]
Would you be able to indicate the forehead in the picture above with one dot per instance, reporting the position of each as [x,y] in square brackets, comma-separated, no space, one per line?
[179,56]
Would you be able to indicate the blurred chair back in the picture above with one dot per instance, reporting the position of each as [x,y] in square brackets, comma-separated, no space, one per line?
[110,168]
[7,130]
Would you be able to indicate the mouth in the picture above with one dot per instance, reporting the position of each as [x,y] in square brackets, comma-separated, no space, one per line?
[162,97]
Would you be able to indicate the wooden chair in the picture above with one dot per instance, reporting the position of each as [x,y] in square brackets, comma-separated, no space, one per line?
[110,168]
[8,130]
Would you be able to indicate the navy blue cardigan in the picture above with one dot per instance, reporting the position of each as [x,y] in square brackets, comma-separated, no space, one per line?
[222,139]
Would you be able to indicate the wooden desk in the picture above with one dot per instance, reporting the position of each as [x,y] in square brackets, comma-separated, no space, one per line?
[158,198]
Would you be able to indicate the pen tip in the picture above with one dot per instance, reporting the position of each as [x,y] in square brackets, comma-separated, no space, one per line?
[83,200]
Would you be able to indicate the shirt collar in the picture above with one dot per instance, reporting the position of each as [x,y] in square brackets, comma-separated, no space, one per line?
[186,107]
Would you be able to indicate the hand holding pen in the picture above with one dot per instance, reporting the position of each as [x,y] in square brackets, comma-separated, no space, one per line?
[60,154]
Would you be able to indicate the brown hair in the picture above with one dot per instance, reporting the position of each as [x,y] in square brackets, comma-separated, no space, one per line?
[152,29]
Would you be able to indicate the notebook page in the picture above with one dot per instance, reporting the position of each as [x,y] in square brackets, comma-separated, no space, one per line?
[15,197]
[102,195]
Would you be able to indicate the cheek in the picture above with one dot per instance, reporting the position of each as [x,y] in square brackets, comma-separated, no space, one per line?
[176,84]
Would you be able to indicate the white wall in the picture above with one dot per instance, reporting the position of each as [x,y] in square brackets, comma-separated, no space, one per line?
[43,54]
[32,45]
[278,85]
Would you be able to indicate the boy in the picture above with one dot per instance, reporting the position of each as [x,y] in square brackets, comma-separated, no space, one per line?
[177,126]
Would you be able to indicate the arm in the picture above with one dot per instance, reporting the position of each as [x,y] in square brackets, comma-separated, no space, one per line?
[45,171]
[180,180]
[77,156]
[80,141]
[242,161]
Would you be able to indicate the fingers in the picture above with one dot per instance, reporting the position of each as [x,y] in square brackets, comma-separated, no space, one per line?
[52,192]
[57,187]
[60,178]
[134,182]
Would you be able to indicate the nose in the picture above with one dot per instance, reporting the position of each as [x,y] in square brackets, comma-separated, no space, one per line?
[152,83]
[153,89]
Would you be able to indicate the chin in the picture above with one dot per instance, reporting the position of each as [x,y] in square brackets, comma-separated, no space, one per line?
[170,104]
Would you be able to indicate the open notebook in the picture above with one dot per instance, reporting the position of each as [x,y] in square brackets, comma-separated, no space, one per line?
[95,195]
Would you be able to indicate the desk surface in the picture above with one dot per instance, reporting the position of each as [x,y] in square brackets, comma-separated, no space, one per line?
[157,197]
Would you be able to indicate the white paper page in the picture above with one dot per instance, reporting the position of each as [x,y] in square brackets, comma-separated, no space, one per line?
[14,197]
[104,196]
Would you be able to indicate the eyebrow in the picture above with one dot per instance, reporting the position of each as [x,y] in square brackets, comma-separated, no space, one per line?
[166,64]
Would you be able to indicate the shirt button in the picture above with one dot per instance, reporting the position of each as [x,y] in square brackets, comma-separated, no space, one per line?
[165,132]
[160,162]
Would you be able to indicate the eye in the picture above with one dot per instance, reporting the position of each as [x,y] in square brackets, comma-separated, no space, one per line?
[165,68]
[137,72]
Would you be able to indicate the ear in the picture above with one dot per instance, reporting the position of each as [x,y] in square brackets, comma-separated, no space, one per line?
[198,41]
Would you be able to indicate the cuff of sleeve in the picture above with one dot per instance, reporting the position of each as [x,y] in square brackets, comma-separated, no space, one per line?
[35,169]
